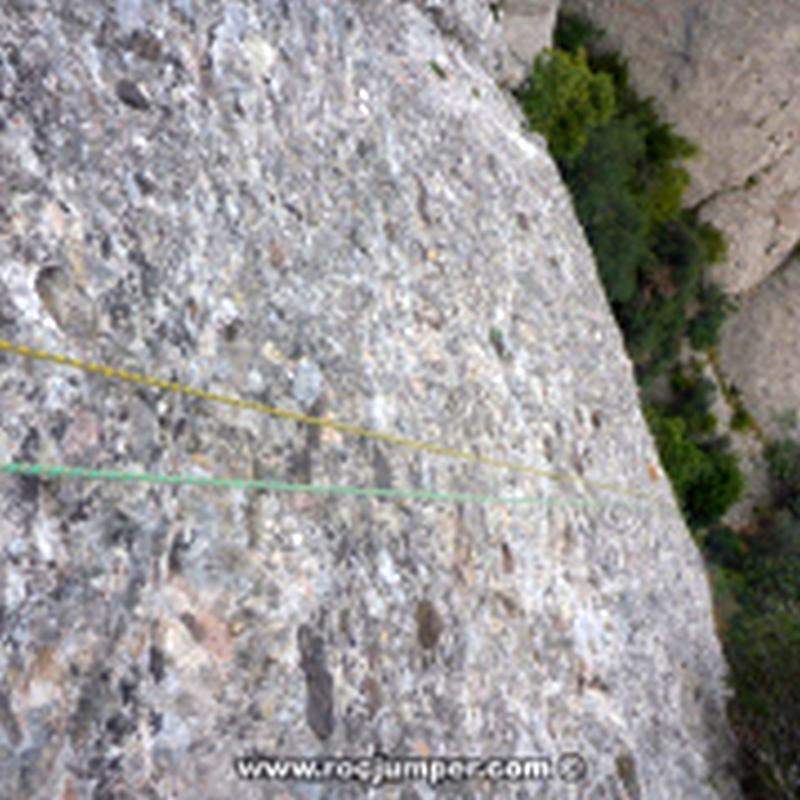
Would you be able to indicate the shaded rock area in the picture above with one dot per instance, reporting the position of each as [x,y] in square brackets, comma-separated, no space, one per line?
[759,349]
[746,445]
[727,74]
[330,208]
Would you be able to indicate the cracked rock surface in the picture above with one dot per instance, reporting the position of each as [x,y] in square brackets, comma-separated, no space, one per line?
[759,351]
[727,74]
[329,208]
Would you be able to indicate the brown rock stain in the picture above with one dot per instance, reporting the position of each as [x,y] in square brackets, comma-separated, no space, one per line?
[277,255]
[509,604]
[507,557]
[421,748]
[69,791]
[211,632]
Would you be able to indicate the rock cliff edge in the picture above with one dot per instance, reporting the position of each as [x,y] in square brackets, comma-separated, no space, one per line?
[330,208]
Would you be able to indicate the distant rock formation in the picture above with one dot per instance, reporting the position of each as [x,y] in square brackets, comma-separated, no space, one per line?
[760,353]
[527,28]
[727,74]
[331,208]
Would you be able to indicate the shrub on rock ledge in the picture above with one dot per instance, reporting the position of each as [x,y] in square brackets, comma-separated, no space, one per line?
[563,99]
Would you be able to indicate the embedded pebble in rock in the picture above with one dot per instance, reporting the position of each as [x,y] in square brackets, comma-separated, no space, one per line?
[288,201]
[307,384]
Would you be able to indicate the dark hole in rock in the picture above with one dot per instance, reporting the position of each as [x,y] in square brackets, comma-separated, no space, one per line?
[145,45]
[132,95]
[429,624]
[319,682]
[156,665]
[626,771]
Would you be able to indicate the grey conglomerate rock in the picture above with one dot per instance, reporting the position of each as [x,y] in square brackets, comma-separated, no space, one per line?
[330,208]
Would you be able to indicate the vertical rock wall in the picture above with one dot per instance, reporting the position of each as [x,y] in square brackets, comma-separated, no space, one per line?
[330,208]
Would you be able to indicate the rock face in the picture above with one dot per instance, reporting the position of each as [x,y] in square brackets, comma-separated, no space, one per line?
[329,208]
[527,28]
[727,74]
[759,351]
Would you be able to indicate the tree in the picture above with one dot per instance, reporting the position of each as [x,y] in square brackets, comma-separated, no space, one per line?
[563,99]
[706,479]
[715,246]
[574,32]
[715,489]
[653,329]
[616,224]
[764,655]
[723,546]
[705,325]
[692,396]
[682,459]
[677,245]
[663,192]
[783,463]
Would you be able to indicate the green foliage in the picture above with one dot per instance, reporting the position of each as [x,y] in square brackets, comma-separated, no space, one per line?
[723,546]
[692,396]
[783,538]
[763,641]
[726,588]
[717,487]
[662,182]
[624,167]
[783,462]
[768,562]
[438,70]
[574,33]
[764,654]
[653,326]
[706,478]
[715,246]
[773,574]
[615,223]
[706,324]
[622,164]
[682,458]
[663,194]
[677,244]
[769,579]
[742,420]
[563,99]
[498,342]
[664,146]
